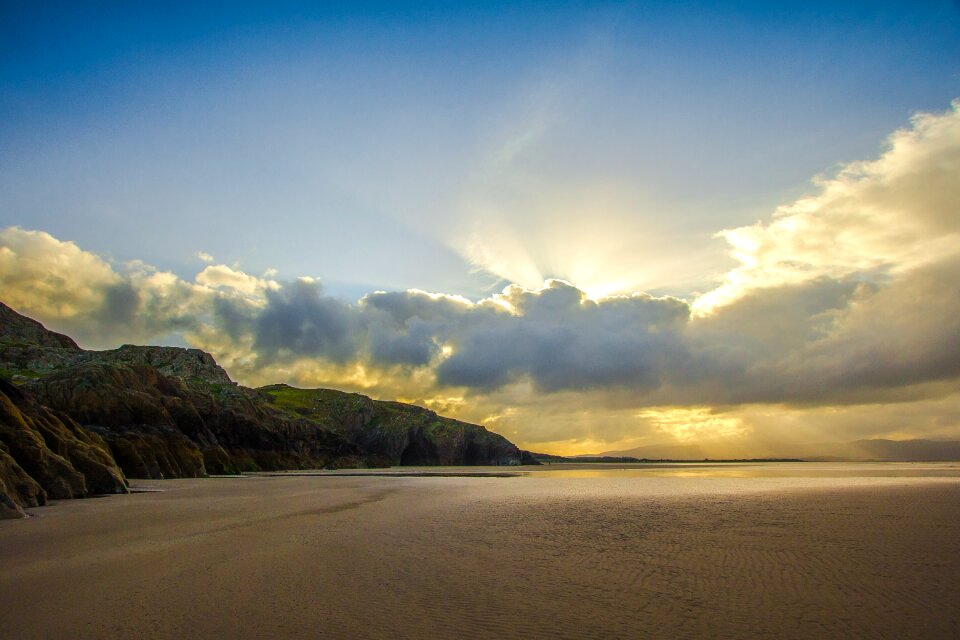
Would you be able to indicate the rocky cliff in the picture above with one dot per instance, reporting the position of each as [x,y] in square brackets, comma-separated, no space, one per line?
[46,454]
[161,426]
[75,422]
[397,433]
[17,329]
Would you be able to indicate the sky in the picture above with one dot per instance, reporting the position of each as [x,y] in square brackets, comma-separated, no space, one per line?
[589,226]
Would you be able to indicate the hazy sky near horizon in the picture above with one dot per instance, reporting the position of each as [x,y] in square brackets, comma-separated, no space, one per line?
[769,190]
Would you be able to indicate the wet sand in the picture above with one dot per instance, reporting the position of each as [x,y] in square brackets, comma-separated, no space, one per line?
[540,556]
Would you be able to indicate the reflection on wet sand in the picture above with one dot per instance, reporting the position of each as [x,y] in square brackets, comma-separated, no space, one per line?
[757,470]
[761,552]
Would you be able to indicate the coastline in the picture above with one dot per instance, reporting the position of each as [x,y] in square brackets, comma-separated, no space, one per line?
[468,557]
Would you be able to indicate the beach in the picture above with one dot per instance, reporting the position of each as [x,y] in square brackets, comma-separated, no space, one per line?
[737,552]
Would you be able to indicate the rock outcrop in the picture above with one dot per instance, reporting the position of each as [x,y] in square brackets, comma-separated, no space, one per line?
[18,329]
[397,433]
[46,454]
[76,422]
[186,425]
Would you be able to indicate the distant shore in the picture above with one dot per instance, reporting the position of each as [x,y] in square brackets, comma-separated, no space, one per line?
[542,556]
[546,458]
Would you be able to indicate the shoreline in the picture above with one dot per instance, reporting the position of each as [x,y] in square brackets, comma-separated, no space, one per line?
[467,557]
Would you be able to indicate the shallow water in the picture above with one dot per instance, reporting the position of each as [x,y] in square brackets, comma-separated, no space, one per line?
[754,470]
[704,470]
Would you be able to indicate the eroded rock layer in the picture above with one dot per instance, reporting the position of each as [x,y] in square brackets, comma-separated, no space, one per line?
[76,422]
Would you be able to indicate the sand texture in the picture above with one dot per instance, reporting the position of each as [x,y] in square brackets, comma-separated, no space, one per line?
[518,557]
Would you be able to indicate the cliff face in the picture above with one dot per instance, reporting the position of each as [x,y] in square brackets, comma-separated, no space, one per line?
[46,454]
[398,433]
[73,419]
[18,329]
[163,412]
[167,426]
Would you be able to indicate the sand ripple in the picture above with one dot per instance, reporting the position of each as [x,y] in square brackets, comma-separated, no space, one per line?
[489,558]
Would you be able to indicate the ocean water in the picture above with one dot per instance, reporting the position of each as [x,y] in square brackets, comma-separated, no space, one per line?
[701,470]
[752,470]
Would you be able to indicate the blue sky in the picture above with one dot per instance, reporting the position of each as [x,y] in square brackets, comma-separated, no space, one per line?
[338,141]
[770,188]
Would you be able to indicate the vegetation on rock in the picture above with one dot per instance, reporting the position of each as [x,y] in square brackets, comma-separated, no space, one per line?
[397,433]
[76,422]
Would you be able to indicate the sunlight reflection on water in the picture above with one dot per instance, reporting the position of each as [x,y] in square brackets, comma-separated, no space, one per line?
[754,470]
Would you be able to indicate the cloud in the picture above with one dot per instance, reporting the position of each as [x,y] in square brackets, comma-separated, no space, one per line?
[849,295]
[694,424]
[298,320]
[93,299]
[900,335]
[847,298]
[220,276]
[415,345]
[877,218]
[561,340]
[50,278]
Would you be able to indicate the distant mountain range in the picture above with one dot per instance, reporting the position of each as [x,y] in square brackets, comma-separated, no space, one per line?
[857,450]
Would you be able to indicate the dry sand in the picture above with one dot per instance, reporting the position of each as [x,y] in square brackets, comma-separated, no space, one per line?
[522,557]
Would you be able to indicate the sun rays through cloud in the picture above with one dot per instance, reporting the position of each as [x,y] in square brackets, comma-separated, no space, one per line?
[845,297]
[594,227]
[599,245]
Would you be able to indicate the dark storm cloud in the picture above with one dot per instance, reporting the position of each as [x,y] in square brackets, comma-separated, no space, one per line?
[400,306]
[120,304]
[848,295]
[827,339]
[298,320]
[409,327]
[414,344]
[233,317]
[555,336]
[905,333]
[560,340]
[859,338]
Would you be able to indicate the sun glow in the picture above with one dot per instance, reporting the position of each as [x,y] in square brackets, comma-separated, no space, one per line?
[605,238]
[691,424]
[595,274]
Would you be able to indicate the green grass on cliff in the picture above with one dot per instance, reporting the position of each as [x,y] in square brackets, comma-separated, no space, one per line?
[317,404]
[218,389]
[328,406]
[18,374]
[291,399]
